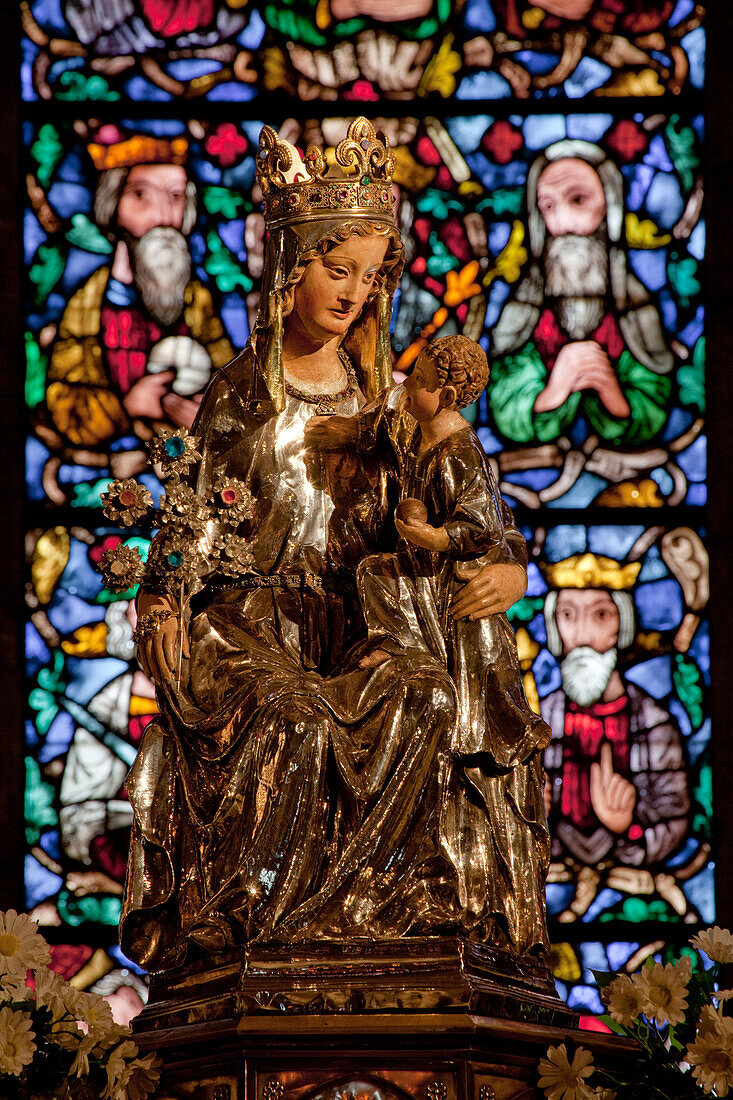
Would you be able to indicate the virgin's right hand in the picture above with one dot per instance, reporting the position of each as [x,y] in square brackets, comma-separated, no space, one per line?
[158,654]
[144,398]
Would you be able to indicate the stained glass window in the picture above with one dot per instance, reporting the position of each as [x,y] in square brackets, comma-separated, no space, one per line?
[550,194]
[472,50]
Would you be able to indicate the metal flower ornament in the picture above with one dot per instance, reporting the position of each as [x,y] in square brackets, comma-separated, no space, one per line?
[188,522]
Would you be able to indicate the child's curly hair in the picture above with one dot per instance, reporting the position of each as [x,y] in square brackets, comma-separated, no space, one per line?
[462,363]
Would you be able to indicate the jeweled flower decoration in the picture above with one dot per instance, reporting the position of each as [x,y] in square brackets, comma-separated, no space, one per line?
[236,555]
[198,535]
[126,501]
[57,1042]
[174,449]
[675,1014]
[233,499]
[176,557]
[183,508]
[122,567]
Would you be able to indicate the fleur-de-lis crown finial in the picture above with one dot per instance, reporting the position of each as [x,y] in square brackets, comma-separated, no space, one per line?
[357,183]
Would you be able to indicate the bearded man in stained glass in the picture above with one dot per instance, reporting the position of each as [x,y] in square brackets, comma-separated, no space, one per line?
[617,792]
[580,336]
[137,342]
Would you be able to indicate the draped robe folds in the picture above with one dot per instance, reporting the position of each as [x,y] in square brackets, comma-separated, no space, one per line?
[493,827]
[286,793]
[280,768]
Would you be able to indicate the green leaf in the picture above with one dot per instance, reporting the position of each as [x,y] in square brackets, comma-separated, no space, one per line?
[507,200]
[46,709]
[682,273]
[525,609]
[290,25]
[609,1021]
[438,203]
[603,977]
[47,151]
[46,271]
[691,378]
[222,264]
[85,234]
[50,678]
[75,86]
[703,795]
[43,699]
[688,685]
[39,798]
[35,372]
[220,200]
[441,259]
[682,146]
[88,494]
[94,908]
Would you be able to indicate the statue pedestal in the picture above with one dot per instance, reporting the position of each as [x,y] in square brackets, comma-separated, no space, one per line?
[411,1020]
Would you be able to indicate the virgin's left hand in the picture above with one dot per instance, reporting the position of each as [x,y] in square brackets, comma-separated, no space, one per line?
[495,588]
[423,534]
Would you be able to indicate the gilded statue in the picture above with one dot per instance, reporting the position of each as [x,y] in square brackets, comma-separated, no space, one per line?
[344,751]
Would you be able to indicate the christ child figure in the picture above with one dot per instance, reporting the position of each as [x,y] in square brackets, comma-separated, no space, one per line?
[450,521]
[450,517]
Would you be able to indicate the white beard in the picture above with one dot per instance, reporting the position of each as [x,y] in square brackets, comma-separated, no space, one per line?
[579,317]
[161,268]
[576,276]
[585,673]
[119,632]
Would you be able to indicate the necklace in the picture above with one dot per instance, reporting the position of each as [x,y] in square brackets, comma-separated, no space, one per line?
[326,402]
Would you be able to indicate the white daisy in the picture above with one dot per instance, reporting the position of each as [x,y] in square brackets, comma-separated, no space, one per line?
[16,1041]
[717,943]
[562,1079]
[21,948]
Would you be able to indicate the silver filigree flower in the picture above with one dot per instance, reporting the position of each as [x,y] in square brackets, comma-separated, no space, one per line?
[235,555]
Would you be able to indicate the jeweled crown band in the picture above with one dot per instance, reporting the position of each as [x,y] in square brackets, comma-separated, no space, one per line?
[319,201]
[357,185]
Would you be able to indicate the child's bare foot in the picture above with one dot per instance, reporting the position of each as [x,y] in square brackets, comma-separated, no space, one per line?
[376,657]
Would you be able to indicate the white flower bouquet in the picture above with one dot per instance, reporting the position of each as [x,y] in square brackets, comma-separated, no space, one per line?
[56,1041]
[675,1014]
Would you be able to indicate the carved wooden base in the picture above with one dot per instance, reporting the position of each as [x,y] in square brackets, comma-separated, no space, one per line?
[412,1020]
[411,1056]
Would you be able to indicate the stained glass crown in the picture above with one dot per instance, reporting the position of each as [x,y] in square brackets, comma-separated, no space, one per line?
[356,185]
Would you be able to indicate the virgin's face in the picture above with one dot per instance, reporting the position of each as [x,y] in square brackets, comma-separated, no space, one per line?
[334,288]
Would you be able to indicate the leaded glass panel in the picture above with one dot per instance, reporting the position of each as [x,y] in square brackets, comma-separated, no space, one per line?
[319,50]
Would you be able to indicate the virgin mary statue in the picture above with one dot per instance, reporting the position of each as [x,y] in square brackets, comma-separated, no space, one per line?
[292,788]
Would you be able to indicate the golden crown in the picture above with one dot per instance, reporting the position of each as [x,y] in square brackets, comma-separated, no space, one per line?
[357,184]
[590,571]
